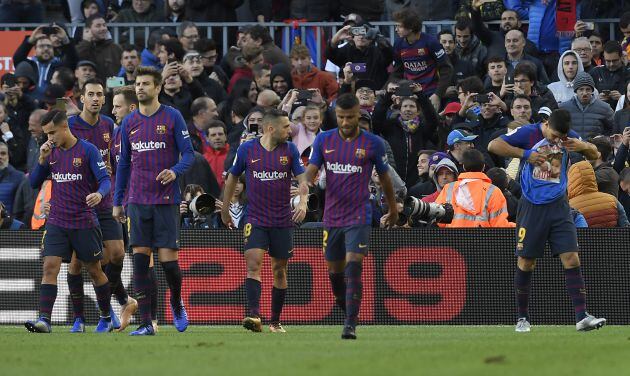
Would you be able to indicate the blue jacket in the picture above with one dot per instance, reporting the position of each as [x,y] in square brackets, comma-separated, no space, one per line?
[10,179]
[147,59]
[542,23]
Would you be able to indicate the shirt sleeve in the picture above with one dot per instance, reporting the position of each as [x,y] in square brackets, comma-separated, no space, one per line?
[240,161]
[122,170]
[296,162]
[316,157]
[184,146]
[99,170]
[39,174]
[518,138]
[438,51]
[379,158]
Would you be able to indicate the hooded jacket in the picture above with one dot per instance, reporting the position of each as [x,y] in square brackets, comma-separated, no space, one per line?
[446,163]
[593,119]
[284,71]
[599,209]
[316,79]
[563,90]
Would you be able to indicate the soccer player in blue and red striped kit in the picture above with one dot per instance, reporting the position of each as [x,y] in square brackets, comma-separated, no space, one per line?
[98,130]
[152,139]
[79,183]
[348,155]
[268,162]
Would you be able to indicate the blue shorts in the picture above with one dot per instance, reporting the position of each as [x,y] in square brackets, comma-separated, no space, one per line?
[278,241]
[339,240]
[61,242]
[154,226]
[110,228]
[538,224]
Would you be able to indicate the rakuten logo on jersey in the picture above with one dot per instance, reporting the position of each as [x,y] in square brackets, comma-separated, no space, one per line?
[338,168]
[270,175]
[141,146]
[67,177]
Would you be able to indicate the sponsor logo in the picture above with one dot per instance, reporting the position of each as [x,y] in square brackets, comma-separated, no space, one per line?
[67,177]
[421,52]
[104,152]
[185,133]
[101,165]
[134,131]
[362,245]
[106,137]
[440,53]
[255,160]
[160,129]
[97,253]
[141,146]
[339,168]
[270,175]
[284,160]
[328,151]
[77,162]
[53,162]
[116,146]
[359,153]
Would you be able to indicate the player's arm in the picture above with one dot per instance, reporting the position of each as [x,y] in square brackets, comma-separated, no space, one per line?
[299,172]
[184,146]
[588,150]
[122,173]
[382,169]
[42,168]
[315,160]
[99,170]
[237,169]
[514,145]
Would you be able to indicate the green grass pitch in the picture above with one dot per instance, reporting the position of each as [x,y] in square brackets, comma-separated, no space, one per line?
[318,350]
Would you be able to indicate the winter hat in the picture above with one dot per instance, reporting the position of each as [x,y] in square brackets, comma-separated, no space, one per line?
[583,79]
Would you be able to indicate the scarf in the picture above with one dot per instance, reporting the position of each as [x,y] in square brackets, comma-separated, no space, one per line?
[411,125]
[565,18]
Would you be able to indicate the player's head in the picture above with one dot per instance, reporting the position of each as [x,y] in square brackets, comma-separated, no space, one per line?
[148,84]
[473,161]
[93,96]
[276,125]
[348,113]
[557,126]
[55,126]
[124,102]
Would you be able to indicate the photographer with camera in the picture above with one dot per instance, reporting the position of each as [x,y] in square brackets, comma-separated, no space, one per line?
[196,209]
[369,52]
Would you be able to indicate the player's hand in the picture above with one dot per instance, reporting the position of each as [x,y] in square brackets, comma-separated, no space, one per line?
[574,145]
[166,176]
[227,218]
[93,199]
[45,150]
[390,218]
[535,158]
[118,213]
[300,211]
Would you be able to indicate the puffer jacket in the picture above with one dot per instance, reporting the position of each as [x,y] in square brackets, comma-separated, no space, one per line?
[563,90]
[594,119]
[599,209]
[542,23]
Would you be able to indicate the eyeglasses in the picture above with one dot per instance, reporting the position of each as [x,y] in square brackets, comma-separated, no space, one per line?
[365,91]
[582,49]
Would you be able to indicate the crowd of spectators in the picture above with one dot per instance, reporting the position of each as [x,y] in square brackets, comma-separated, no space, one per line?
[431,95]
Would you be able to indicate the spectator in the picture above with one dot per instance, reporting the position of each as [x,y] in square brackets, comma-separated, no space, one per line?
[10,179]
[307,76]
[461,68]
[99,47]
[495,82]
[597,47]
[174,93]
[16,138]
[24,204]
[424,156]
[515,53]
[622,116]
[569,66]
[624,185]
[217,149]
[600,209]
[65,78]
[624,27]
[203,111]
[188,218]
[311,10]
[258,36]
[7,222]
[621,157]
[501,180]
[239,110]
[238,206]
[447,119]
[262,76]
[303,132]
[252,55]
[242,89]
[192,63]
[424,9]
[234,57]
[490,121]
[207,48]
[37,138]
[88,8]
[525,82]
[590,116]
[476,201]
[268,99]
[371,49]
[18,105]
[459,140]
[174,10]
[281,80]
[201,174]
[445,172]
[583,48]
[611,79]
[170,50]
[214,11]
[419,57]
[129,61]
[141,12]
[469,48]
[25,11]
[188,35]
[521,110]
[85,71]
[149,56]
[607,178]
[466,90]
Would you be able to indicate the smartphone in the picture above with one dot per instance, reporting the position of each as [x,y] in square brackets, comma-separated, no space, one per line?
[481,98]
[606,92]
[10,80]
[113,82]
[358,67]
[403,91]
[49,30]
[253,128]
[171,60]
[304,94]
[590,25]
[60,104]
[358,30]
[509,79]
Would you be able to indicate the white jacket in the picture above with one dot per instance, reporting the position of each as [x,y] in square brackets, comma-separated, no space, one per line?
[563,90]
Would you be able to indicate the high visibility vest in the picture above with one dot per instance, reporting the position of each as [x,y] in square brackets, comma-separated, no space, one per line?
[39,218]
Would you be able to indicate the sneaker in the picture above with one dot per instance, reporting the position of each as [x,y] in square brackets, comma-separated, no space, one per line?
[180,317]
[114,317]
[589,323]
[348,333]
[154,324]
[78,326]
[127,312]
[105,325]
[252,323]
[143,330]
[39,326]
[276,328]
[523,326]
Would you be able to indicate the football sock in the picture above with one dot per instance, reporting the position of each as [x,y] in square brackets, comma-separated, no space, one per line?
[75,285]
[522,286]
[103,297]
[116,285]
[277,302]
[154,293]
[142,286]
[354,290]
[338,283]
[252,289]
[173,275]
[47,296]
[577,291]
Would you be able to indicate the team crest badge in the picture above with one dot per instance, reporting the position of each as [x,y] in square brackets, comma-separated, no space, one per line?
[106,137]
[160,129]
[76,162]
[359,153]
[284,160]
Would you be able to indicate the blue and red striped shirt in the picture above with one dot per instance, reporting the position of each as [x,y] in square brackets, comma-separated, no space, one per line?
[420,60]
[268,181]
[75,174]
[348,166]
[150,144]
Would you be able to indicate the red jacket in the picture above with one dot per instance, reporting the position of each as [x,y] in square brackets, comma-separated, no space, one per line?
[316,79]
[216,159]
[239,73]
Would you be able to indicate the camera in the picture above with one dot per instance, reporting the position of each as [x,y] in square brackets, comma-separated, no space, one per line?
[49,30]
[201,205]
[358,30]
[311,206]
[429,212]
[304,94]
[481,98]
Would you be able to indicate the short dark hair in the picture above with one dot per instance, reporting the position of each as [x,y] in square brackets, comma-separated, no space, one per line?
[473,161]
[499,177]
[241,107]
[55,116]
[527,69]
[409,19]
[92,81]
[128,93]
[198,105]
[612,46]
[272,114]
[150,71]
[87,3]
[259,68]
[444,32]
[624,175]
[427,151]
[624,20]
[604,147]
[495,59]
[218,124]
[520,96]
[173,46]
[154,38]
[127,47]
[560,121]
[251,52]
[472,84]
[205,45]
[259,32]
[347,101]
[90,20]
[66,77]
[463,23]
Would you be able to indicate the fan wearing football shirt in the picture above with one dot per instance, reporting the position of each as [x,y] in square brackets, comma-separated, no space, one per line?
[543,212]
[420,58]
[97,129]
[348,155]
[152,139]
[268,162]
[79,183]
